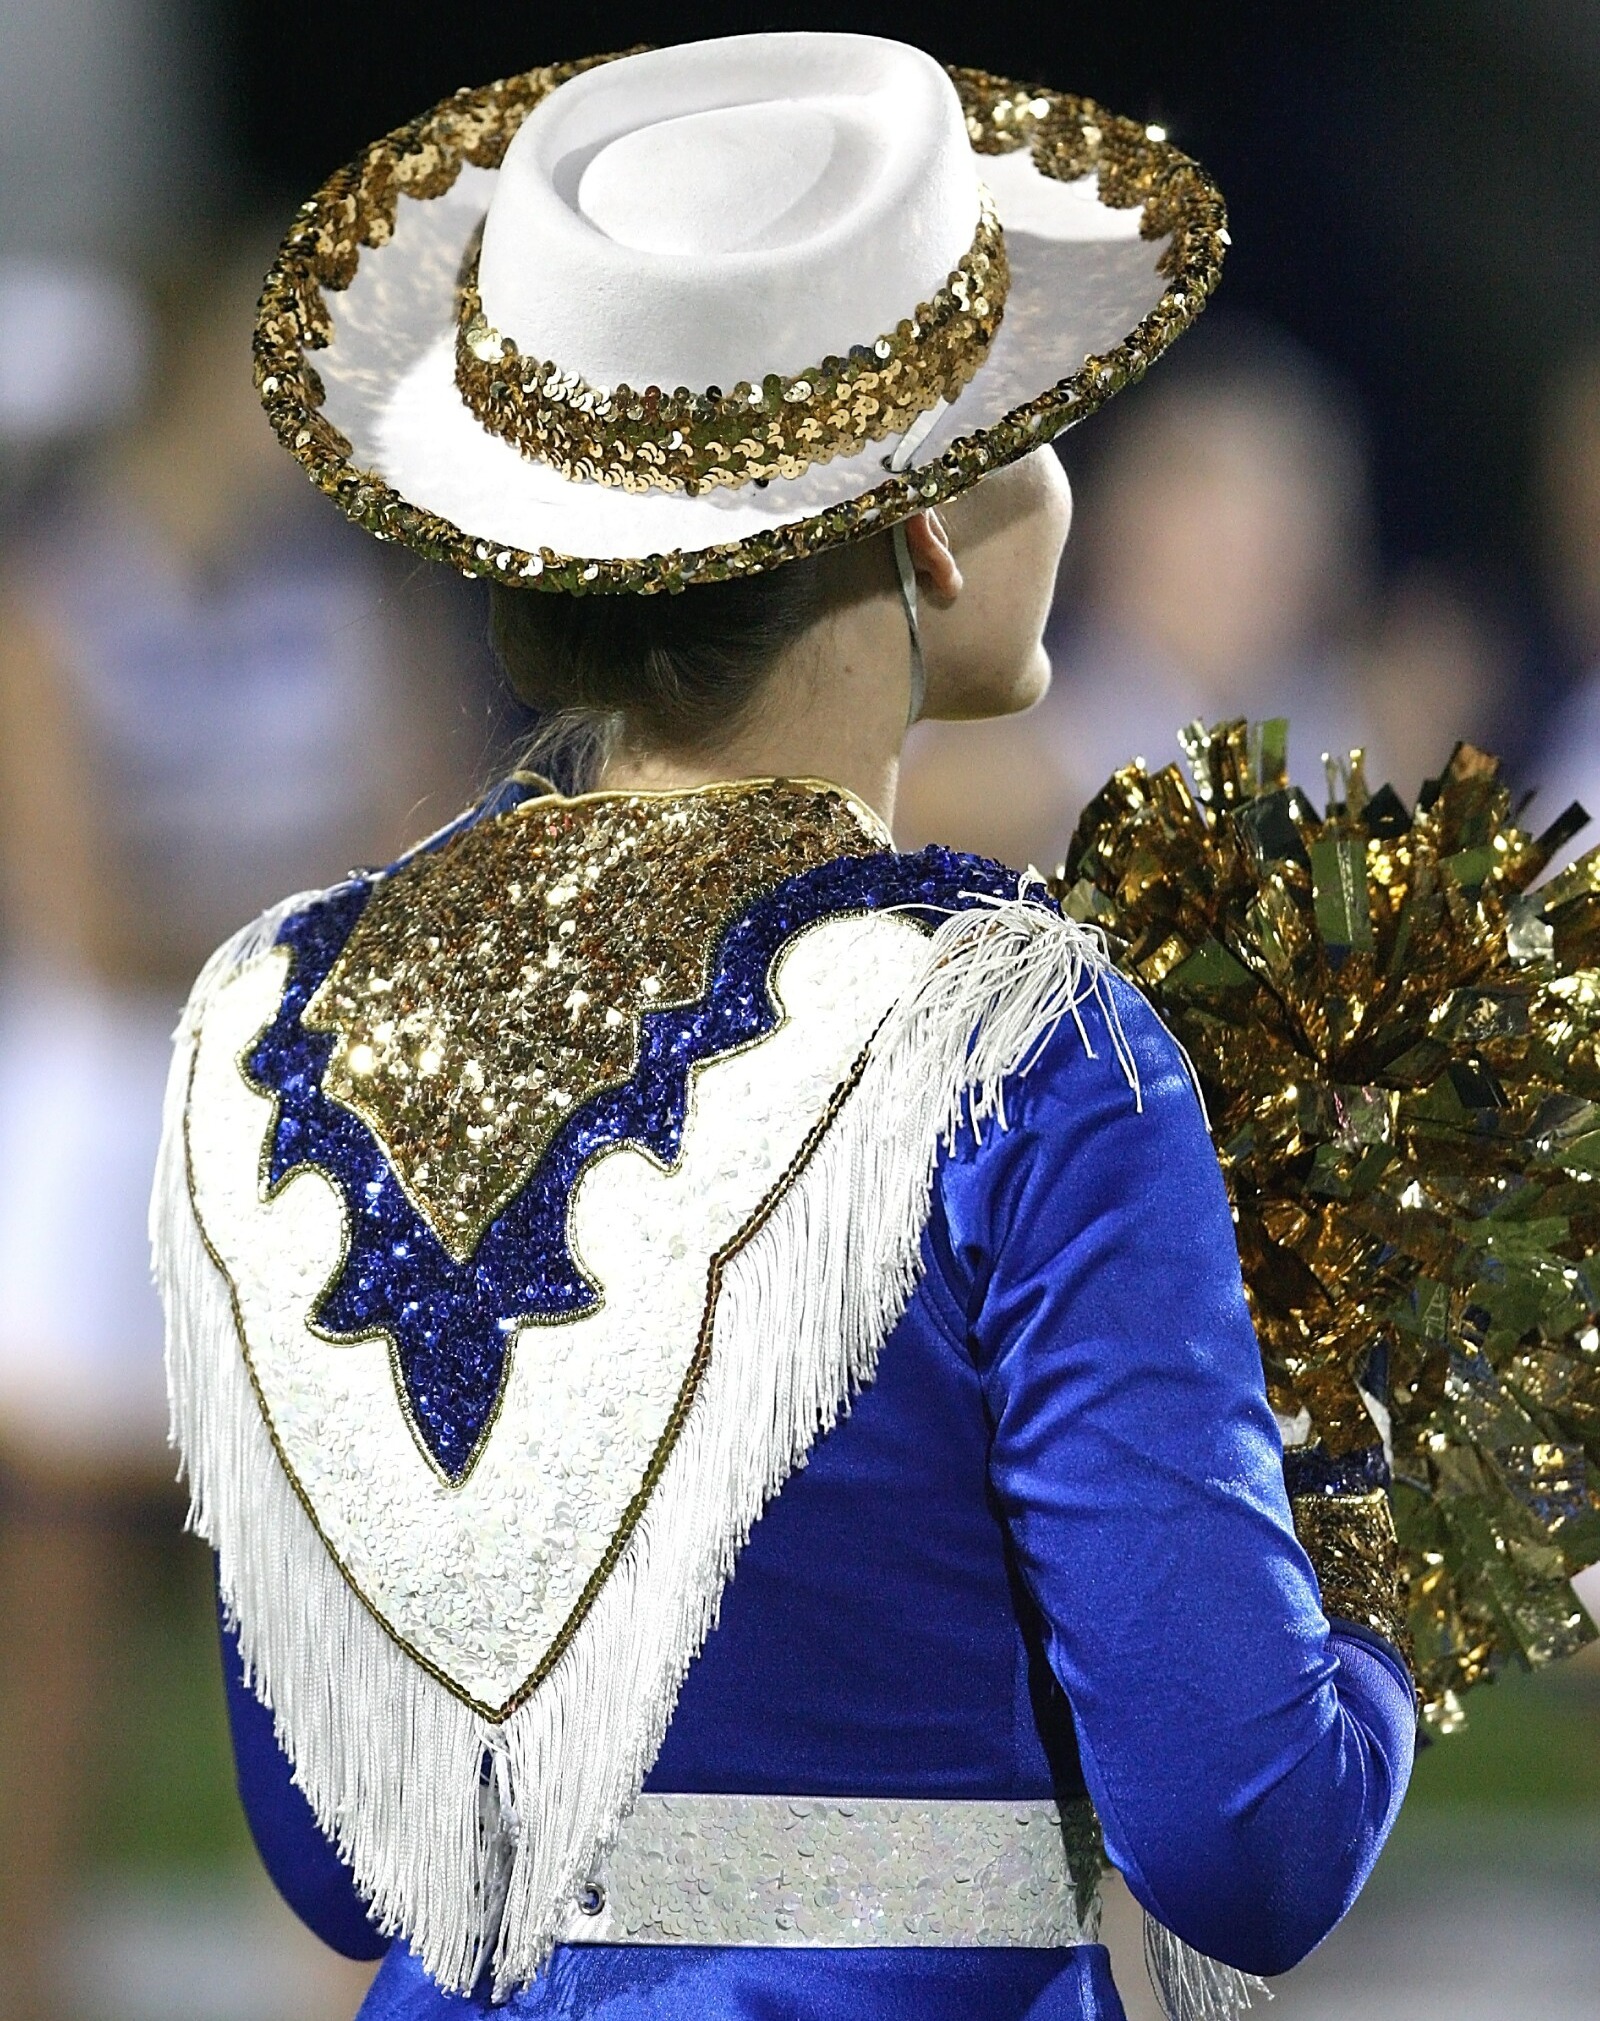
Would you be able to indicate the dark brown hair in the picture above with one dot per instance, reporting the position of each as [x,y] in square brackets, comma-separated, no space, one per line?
[671,670]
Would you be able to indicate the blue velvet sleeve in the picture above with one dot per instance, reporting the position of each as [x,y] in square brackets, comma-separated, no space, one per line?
[1247,1760]
[305,1869]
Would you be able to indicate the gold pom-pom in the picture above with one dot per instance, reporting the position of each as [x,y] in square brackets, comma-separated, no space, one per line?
[1398,1040]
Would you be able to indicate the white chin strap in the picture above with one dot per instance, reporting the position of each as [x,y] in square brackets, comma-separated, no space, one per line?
[907,447]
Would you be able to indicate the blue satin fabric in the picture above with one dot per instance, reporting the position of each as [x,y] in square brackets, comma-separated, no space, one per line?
[1049,1550]
[685,1983]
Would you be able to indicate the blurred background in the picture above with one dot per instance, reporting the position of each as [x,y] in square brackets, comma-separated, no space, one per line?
[1366,493]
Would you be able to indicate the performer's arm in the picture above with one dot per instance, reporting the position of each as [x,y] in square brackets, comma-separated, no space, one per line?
[306,1870]
[1247,1758]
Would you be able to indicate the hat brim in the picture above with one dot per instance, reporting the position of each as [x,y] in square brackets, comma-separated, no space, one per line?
[1114,239]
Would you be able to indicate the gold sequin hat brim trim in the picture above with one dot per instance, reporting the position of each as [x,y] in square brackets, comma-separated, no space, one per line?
[355,347]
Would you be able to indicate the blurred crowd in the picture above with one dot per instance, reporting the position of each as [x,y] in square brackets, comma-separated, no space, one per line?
[1224,563]
[213,692]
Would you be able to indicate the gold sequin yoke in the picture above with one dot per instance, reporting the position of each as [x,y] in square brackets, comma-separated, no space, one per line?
[492,987]
[775,829]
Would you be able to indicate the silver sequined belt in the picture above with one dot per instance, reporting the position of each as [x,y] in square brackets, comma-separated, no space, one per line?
[845,1871]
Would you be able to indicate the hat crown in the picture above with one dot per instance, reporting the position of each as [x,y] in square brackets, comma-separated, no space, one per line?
[713,213]
[735,179]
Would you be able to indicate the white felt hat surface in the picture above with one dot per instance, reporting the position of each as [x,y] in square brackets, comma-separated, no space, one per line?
[702,218]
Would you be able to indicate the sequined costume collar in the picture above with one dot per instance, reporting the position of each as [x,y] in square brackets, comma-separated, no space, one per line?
[494,985]
[460,1037]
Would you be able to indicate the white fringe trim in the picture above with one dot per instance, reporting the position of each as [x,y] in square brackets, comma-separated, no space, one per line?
[472,1838]
[1193,1987]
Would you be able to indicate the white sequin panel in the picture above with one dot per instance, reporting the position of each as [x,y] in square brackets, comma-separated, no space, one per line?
[839,1872]
[478,1579]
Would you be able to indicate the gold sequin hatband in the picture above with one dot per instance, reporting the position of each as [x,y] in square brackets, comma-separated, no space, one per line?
[356,209]
[648,440]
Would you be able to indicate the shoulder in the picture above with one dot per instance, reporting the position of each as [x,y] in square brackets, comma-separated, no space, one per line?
[307,915]
[1116,1041]
[1049,1019]
[311,927]
[1097,1103]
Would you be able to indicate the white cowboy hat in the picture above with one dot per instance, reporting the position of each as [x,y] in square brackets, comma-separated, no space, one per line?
[638,322]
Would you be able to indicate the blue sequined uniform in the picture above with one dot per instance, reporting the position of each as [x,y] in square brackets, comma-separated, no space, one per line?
[1050,1550]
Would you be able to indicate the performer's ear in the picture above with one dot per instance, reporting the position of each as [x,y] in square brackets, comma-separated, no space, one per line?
[938,572]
